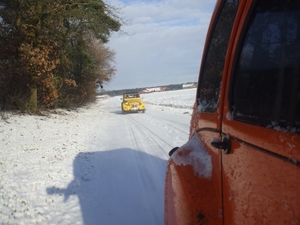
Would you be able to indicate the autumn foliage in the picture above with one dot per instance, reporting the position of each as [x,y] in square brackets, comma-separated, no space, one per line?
[53,52]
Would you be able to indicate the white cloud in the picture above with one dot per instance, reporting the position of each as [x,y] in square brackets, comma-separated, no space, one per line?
[164,45]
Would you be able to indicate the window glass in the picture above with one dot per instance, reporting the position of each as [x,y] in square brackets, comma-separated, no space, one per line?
[266,88]
[211,75]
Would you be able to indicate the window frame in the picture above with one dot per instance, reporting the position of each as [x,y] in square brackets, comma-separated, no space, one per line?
[248,119]
[206,53]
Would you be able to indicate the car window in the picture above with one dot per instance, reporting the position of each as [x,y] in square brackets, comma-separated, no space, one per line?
[211,74]
[266,84]
[133,95]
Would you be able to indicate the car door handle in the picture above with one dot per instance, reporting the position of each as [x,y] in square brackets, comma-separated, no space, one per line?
[173,150]
[224,144]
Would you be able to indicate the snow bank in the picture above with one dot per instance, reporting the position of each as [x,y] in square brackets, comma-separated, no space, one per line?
[181,101]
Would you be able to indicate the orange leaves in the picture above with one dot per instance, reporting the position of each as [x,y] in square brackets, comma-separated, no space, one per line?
[39,65]
[37,60]
[53,49]
[48,93]
[70,82]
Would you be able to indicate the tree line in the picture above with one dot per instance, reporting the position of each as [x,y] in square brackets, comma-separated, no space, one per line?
[53,52]
[169,87]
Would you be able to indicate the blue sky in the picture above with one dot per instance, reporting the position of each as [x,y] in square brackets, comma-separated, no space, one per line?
[163,44]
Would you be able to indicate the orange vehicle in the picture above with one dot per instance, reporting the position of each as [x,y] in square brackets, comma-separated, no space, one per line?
[241,164]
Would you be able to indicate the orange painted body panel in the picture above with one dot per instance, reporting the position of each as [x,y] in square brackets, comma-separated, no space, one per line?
[259,189]
[256,182]
[192,198]
[283,143]
[261,175]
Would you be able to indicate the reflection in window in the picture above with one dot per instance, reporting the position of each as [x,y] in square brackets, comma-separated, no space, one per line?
[211,75]
[267,81]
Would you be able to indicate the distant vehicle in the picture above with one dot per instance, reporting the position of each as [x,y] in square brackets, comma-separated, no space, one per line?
[132,103]
[241,164]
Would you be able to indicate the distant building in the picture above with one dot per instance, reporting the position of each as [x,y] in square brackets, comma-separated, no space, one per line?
[154,89]
[189,85]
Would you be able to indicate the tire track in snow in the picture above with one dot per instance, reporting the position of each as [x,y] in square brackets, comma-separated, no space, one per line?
[153,168]
[172,123]
[143,139]
[133,141]
[165,132]
[145,131]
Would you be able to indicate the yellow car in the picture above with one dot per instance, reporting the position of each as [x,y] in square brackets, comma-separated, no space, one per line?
[132,103]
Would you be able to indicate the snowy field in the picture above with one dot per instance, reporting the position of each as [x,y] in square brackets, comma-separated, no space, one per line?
[93,165]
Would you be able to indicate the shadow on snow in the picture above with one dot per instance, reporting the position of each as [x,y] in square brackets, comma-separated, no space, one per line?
[122,186]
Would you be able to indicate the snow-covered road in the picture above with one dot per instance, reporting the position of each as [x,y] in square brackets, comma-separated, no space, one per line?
[93,166]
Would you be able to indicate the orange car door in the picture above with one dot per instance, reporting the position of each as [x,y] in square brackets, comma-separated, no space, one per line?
[261,118]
